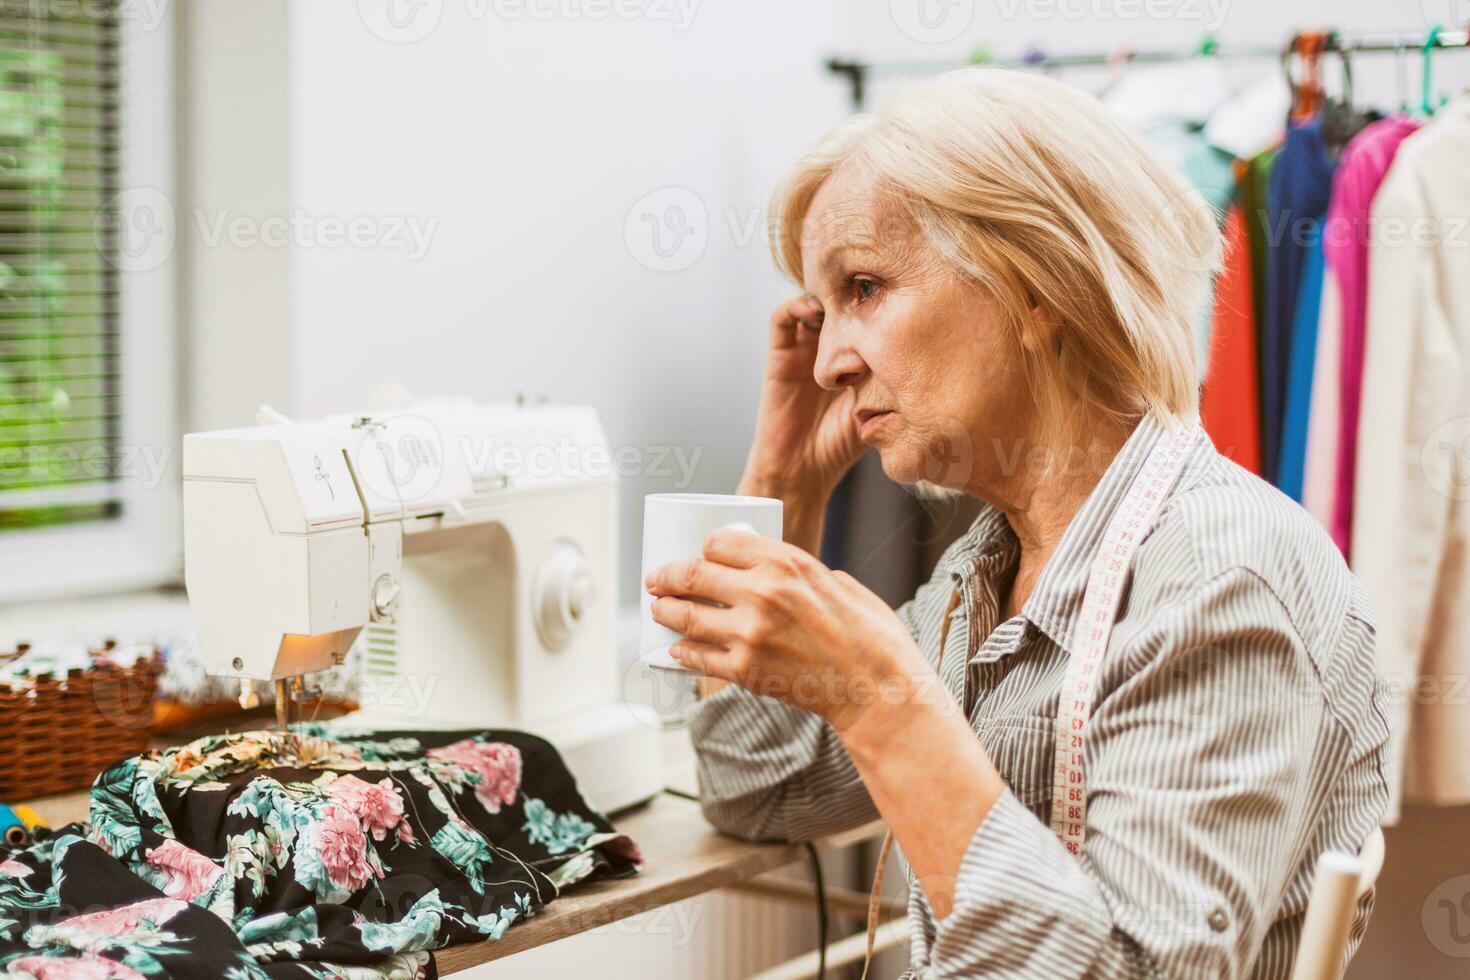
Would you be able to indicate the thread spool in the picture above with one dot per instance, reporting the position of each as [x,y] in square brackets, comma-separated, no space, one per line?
[37,828]
[12,829]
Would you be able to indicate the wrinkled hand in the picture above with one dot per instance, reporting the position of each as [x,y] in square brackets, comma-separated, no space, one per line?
[806,437]
[787,627]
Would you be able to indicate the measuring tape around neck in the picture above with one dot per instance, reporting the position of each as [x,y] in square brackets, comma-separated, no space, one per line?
[1095,625]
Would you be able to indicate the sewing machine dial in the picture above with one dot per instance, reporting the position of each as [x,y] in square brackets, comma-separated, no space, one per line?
[385,598]
[564,592]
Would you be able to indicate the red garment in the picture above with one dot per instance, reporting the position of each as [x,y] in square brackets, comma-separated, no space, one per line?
[1230,403]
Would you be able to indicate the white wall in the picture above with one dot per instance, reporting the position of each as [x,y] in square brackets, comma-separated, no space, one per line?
[233,110]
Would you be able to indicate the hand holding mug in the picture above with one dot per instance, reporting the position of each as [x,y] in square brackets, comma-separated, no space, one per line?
[675,527]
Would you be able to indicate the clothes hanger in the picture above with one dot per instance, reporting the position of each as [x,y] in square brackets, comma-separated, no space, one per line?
[1341,119]
[1401,70]
[1344,58]
[1305,92]
[1295,46]
[1427,106]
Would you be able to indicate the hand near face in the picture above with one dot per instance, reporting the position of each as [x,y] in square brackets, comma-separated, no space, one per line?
[806,437]
[787,627]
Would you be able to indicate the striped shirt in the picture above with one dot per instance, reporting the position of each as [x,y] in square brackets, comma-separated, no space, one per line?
[1237,733]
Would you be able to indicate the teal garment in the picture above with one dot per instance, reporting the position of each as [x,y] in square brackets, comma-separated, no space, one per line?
[1211,171]
[1291,468]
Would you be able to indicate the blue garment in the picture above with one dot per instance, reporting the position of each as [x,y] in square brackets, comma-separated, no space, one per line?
[1291,470]
[1301,184]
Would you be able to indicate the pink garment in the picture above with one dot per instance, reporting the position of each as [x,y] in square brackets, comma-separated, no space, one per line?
[1346,235]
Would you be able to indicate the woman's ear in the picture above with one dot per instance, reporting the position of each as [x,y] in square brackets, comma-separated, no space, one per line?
[1042,330]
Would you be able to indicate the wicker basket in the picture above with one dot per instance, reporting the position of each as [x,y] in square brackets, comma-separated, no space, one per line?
[58,732]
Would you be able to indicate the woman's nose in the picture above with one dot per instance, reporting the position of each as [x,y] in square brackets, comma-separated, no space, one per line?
[838,366]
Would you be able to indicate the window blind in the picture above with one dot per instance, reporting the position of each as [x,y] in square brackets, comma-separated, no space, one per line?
[60,405]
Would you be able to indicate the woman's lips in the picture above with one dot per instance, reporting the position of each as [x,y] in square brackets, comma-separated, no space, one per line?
[869,420]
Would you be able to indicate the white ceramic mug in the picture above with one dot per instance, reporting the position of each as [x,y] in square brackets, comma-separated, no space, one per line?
[674,528]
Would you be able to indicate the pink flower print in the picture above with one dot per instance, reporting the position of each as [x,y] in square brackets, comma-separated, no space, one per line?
[127,918]
[84,967]
[11,868]
[625,846]
[188,874]
[344,848]
[496,763]
[378,806]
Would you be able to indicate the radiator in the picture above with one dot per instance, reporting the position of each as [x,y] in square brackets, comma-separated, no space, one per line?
[720,935]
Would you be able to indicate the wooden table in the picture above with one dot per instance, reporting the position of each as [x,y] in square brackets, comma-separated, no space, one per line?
[683,856]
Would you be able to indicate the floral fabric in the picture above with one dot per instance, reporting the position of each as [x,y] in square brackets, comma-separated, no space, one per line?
[259,855]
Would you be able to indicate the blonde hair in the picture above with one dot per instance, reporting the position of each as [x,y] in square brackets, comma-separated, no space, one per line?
[1043,197]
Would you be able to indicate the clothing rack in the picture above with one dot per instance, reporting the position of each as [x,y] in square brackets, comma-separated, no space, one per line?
[859,73]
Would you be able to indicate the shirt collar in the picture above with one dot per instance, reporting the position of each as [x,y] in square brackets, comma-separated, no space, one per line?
[987,536]
[1056,601]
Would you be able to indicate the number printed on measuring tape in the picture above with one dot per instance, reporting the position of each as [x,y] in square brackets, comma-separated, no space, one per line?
[1100,604]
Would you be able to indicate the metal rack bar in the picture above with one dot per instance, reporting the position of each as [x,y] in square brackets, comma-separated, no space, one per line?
[859,73]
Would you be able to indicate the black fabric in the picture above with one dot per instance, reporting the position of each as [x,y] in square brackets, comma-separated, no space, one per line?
[261,855]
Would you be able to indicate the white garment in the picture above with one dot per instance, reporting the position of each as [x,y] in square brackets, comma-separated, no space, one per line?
[1411,521]
[1319,479]
[1252,121]
[1185,92]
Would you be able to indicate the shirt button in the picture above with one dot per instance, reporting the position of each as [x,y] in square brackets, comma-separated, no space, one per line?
[1218,920]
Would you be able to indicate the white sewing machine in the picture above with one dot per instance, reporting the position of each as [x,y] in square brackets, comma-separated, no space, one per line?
[475,544]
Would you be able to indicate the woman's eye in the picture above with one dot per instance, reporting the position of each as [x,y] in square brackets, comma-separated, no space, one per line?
[864,289]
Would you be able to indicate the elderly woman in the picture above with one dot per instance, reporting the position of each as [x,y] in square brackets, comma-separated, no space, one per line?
[999,283]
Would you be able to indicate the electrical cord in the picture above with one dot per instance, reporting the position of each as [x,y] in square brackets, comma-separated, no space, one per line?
[821,911]
[817,884]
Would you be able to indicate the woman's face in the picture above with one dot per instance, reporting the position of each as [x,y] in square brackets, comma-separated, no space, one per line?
[939,380]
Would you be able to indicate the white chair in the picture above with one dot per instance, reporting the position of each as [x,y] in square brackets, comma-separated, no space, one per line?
[1342,880]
